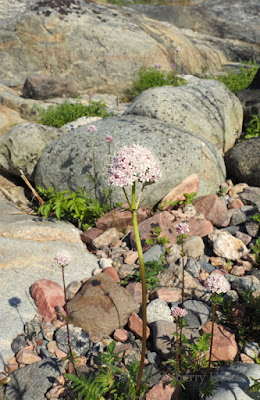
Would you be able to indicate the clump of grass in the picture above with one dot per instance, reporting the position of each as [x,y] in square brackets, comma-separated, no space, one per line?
[151,77]
[253,127]
[67,112]
[236,81]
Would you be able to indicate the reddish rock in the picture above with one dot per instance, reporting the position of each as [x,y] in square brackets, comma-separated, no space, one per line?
[224,344]
[167,295]
[166,221]
[247,265]
[203,276]
[91,234]
[236,203]
[121,218]
[245,359]
[60,354]
[47,294]
[130,257]
[135,324]
[135,289]
[239,188]
[121,335]
[11,366]
[238,270]
[27,356]
[213,208]
[218,262]
[227,246]
[189,185]
[161,391]
[110,271]
[106,238]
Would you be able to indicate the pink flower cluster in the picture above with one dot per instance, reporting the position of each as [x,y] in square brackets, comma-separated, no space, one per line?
[133,164]
[91,128]
[62,258]
[178,312]
[217,284]
[182,228]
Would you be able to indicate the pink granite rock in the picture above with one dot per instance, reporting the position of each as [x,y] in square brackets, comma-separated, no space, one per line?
[162,390]
[47,295]
[121,335]
[111,271]
[27,356]
[91,234]
[165,294]
[135,324]
[188,185]
[106,238]
[224,343]
[213,208]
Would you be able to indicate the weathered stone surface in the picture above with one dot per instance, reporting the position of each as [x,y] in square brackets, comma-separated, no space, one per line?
[47,295]
[80,341]
[243,161]
[231,26]
[198,313]
[224,343]
[34,380]
[109,61]
[43,87]
[206,108]
[67,162]
[8,118]
[194,247]
[227,246]
[213,208]
[106,238]
[22,146]
[158,310]
[27,356]
[101,306]
[162,390]
[167,295]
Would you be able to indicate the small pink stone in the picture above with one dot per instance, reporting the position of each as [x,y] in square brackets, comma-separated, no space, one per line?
[27,356]
[130,257]
[162,390]
[167,295]
[60,354]
[111,271]
[135,324]
[135,289]
[236,203]
[245,359]
[11,366]
[121,335]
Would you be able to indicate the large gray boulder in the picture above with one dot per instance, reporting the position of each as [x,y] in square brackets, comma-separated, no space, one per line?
[205,107]
[99,47]
[67,163]
[243,162]
[22,145]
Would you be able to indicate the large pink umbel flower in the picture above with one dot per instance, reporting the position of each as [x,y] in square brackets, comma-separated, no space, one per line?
[62,258]
[133,164]
[217,284]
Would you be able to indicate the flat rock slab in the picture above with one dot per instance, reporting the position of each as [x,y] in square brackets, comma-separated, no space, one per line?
[28,245]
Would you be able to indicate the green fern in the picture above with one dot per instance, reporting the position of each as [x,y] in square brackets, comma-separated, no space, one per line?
[86,388]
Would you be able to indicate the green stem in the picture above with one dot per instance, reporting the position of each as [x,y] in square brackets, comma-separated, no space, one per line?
[177,362]
[142,270]
[67,323]
[211,341]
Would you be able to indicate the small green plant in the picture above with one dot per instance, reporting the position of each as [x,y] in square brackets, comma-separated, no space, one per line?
[253,127]
[151,77]
[255,217]
[236,81]
[157,238]
[75,207]
[112,381]
[66,112]
[222,191]
[152,270]
[256,250]
[189,197]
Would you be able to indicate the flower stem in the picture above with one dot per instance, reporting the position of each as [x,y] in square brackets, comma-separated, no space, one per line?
[143,280]
[177,362]
[211,341]
[67,323]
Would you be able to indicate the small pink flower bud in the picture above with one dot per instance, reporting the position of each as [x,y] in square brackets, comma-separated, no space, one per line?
[109,139]
[178,312]
[62,258]
[182,228]
[91,128]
